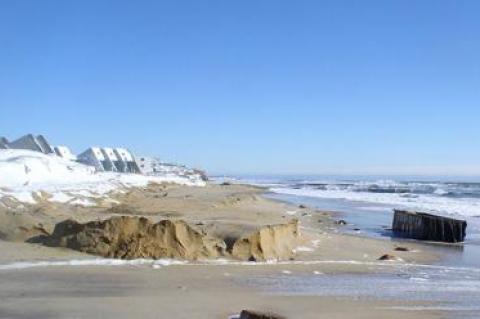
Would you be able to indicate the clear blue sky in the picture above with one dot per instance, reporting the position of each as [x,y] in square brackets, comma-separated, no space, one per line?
[388,87]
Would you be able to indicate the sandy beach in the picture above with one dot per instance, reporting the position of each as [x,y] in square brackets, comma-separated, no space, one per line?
[239,159]
[170,292]
[43,282]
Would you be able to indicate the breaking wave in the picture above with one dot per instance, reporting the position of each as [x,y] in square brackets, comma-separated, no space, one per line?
[450,198]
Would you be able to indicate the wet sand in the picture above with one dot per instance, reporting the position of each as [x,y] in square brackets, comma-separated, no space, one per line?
[170,292]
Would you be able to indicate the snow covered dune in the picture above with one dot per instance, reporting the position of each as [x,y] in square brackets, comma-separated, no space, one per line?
[26,175]
[22,168]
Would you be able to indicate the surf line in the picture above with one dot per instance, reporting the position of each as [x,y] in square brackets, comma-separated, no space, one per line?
[105,262]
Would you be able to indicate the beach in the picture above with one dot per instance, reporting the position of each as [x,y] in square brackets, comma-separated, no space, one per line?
[172,292]
[239,159]
[45,282]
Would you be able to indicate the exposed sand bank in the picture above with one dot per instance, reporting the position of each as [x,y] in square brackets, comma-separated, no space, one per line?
[228,212]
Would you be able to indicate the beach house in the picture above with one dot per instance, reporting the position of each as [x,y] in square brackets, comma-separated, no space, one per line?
[30,142]
[127,161]
[148,165]
[113,163]
[93,156]
[64,151]
[109,159]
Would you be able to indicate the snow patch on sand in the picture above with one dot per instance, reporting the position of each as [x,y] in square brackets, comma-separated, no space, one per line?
[92,262]
[214,262]
[303,249]
[23,174]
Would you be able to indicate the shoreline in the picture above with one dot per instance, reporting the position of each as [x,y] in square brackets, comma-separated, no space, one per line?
[214,289]
[238,208]
[466,254]
[177,292]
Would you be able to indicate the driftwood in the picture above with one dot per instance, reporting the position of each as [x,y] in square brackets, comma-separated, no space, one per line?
[424,226]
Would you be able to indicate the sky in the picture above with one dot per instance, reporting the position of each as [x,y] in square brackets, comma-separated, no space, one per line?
[270,87]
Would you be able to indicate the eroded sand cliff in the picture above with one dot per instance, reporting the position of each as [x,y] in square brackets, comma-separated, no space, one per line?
[131,237]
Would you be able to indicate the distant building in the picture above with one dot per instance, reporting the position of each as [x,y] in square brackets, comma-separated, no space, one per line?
[94,157]
[149,165]
[113,164]
[127,161]
[64,151]
[3,143]
[154,166]
[30,142]
[103,159]
[109,160]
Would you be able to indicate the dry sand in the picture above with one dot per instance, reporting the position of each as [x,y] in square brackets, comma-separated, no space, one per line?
[190,291]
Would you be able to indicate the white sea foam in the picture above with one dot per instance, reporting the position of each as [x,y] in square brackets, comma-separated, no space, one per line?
[425,202]
[376,208]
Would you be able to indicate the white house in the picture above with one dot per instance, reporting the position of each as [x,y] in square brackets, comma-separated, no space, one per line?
[64,151]
[107,159]
[114,164]
[30,142]
[154,166]
[148,165]
[94,157]
[128,161]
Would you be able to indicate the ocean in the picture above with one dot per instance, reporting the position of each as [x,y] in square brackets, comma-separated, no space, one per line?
[369,200]
[366,203]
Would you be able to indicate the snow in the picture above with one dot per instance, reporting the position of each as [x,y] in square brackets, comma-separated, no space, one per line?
[303,249]
[24,173]
[92,262]
[61,197]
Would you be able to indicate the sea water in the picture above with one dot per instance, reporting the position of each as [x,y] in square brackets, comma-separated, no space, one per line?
[367,203]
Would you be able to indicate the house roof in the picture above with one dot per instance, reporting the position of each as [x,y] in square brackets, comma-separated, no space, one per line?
[3,142]
[124,154]
[95,152]
[35,143]
[64,151]
[44,144]
[109,153]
